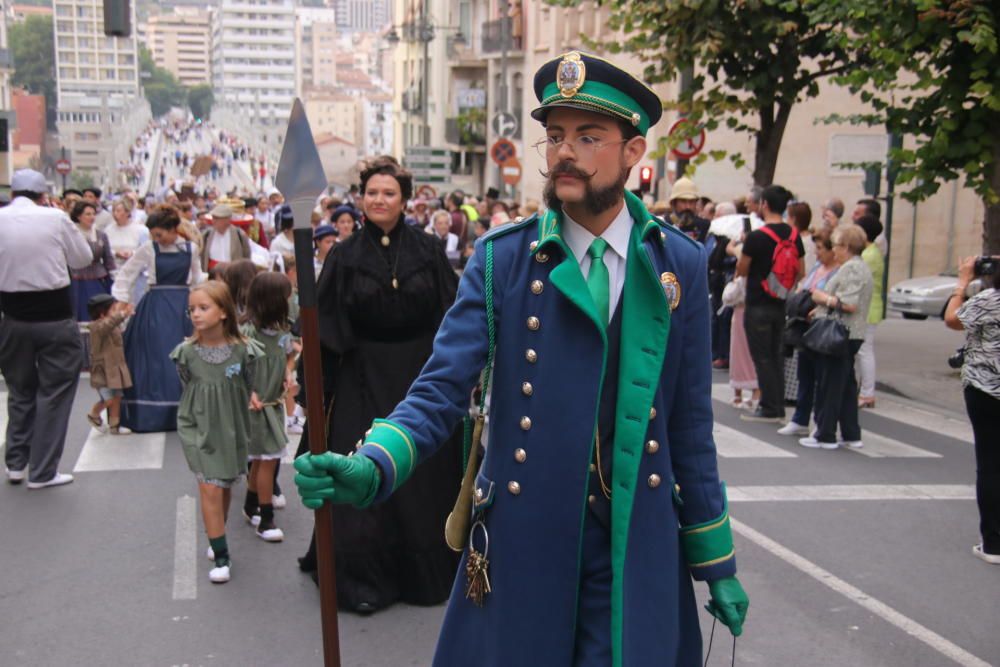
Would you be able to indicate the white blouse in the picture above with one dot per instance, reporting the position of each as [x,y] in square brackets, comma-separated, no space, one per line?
[144,259]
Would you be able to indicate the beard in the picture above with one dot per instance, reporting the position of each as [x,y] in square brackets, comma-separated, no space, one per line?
[596,200]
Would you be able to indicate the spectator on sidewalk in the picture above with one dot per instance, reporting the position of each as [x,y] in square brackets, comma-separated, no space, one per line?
[772,262]
[866,355]
[40,348]
[833,211]
[871,207]
[449,242]
[848,294]
[684,206]
[980,318]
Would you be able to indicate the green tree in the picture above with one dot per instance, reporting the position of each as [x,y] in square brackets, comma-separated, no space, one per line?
[33,52]
[200,99]
[934,80]
[159,85]
[751,61]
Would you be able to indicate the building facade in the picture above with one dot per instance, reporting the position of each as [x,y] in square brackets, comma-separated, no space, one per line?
[362,15]
[254,56]
[97,87]
[181,42]
[316,35]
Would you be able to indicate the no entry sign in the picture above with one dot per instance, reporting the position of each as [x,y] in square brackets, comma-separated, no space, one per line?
[691,146]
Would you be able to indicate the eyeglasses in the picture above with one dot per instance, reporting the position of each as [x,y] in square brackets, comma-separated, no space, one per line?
[583,146]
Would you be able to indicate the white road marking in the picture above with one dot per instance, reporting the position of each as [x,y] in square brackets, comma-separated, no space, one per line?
[862,599]
[879,447]
[924,419]
[104,452]
[186,550]
[732,444]
[838,492]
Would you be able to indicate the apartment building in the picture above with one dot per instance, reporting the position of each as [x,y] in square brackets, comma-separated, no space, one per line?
[316,34]
[362,15]
[180,42]
[254,56]
[97,87]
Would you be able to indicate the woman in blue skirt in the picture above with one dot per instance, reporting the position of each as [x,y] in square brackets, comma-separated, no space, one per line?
[96,278]
[159,323]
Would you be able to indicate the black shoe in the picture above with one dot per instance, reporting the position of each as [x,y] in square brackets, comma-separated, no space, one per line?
[758,415]
[365,608]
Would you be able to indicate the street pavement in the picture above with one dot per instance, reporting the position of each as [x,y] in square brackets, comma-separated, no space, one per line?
[850,557]
[198,143]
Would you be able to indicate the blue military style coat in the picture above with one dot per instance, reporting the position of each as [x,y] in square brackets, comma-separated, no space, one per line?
[669,521]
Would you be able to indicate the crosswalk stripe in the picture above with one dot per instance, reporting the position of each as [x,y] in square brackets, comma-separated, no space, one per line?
[880,447]
[732,444]
[103,452]
[924,419]
[838,492]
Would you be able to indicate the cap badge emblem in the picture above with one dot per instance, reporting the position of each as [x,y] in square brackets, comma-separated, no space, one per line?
[571,74]
[671,288]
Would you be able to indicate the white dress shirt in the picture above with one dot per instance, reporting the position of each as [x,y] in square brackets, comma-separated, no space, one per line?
[144,259]
[126,238]
[615,256]
[219,248]
[38,246]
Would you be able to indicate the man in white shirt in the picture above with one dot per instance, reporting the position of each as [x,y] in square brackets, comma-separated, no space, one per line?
[40,349]
[223,242]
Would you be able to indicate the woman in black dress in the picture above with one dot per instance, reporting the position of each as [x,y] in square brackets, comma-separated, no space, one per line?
[382,295]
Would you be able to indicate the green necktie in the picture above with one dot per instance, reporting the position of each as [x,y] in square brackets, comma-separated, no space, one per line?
[597,279]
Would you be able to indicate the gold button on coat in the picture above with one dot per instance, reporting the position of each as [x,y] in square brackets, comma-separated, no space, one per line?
[653,481]
[541,258]
[525,423]
[593,467]
[527,389]
[591,499]
[514,488]
[532,246]
[534,323]
[479,494]
[531,356]
[537,286]
[652,414]
[520,455]
[652,446]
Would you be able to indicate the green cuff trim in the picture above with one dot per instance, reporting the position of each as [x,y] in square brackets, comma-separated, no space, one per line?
[396,443]
[709,543]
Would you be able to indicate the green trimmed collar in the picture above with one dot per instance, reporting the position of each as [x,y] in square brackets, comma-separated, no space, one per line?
[550,225]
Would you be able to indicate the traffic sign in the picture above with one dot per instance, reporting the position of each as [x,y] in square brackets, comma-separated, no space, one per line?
[505,124]
[511,171]
[691,146]
[503,150]
[63,167]
[428,165]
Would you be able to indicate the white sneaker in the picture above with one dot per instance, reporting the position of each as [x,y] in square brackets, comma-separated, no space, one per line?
[60,479]
[279,501]
[853,444]
[271,535]
[813,443]
[219,575]
[253,520]
[210,554]
[791,428]
[16,476]
[989,558]
[120,430]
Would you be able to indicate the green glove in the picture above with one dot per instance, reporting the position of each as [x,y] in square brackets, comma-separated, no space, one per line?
[728,603]
[351,480]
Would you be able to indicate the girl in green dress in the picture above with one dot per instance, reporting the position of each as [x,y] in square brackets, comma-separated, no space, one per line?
[213,420]
[267,306]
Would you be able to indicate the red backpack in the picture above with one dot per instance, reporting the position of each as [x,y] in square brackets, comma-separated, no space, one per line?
[784,264]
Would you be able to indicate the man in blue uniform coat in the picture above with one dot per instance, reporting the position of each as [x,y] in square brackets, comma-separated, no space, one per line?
[599,489]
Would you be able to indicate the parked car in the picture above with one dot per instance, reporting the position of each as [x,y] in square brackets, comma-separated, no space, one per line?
[920,298]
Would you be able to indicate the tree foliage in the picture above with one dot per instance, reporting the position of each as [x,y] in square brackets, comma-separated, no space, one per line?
[33,52]
[160,86]
[934,79]
[752,61]
[200,99]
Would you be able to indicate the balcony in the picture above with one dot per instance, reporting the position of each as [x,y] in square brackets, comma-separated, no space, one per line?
[492,36]
[458,131]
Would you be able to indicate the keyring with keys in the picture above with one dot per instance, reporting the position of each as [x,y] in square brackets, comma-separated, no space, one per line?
[477,584]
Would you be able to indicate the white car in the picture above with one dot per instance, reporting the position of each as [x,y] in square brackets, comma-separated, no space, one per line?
[918,298]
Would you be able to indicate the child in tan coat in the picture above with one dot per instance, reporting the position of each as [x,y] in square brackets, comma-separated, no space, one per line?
[108,369]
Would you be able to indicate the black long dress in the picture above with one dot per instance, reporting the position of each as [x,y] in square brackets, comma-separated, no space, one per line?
[375,339]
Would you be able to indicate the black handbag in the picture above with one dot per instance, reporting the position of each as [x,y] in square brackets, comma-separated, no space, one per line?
[827,335]
[797,308]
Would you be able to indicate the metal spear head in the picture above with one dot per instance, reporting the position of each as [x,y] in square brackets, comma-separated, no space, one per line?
[300,177]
